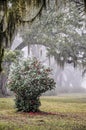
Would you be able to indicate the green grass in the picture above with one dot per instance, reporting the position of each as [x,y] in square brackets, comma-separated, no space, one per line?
[61,113]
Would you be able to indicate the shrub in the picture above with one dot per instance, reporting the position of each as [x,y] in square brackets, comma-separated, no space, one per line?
[28,79]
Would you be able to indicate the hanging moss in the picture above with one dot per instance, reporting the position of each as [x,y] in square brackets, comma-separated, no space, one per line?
[12,15]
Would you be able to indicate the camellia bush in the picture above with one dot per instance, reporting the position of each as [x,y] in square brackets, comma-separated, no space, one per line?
[28,79]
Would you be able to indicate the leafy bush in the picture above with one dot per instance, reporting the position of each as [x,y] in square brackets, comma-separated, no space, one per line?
[28,79]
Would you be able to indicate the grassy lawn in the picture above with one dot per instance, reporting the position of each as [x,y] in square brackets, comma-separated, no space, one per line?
[58,113]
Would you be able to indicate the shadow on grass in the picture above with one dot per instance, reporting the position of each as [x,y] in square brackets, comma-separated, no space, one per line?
[58,114]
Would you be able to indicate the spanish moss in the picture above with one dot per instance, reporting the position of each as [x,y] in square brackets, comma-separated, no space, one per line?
[14,13]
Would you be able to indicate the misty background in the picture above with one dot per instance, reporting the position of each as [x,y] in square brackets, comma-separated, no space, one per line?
[55,29]
[68,79]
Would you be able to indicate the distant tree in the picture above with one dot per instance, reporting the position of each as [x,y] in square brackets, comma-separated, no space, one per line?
[9,57]
[28,79]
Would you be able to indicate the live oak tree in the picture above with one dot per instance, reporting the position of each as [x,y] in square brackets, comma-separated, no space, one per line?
[62,33]
[14,13]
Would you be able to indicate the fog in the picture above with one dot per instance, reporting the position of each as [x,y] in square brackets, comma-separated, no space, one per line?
[68,79]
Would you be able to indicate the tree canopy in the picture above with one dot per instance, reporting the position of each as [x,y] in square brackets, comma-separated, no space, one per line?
[62,33]
[15,13]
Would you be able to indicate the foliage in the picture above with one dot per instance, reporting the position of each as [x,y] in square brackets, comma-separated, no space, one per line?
[9,57]
[71,46]
[12,56]
[63,34]
[14,13]
[28,79]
